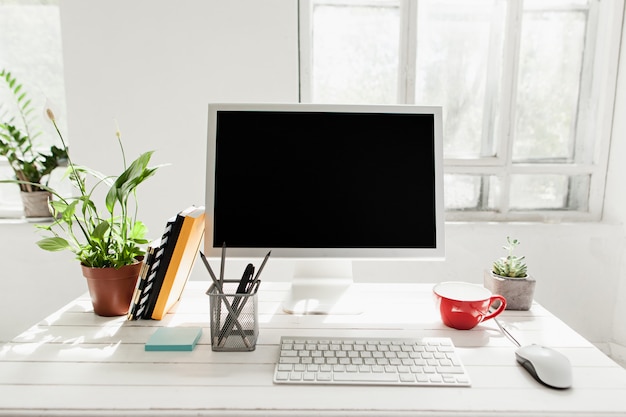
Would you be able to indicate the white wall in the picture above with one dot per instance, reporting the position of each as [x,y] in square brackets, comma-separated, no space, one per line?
[155,64]
[33,283]
[615,205]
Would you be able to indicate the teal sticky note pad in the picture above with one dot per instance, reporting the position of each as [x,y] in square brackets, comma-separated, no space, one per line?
[174,338]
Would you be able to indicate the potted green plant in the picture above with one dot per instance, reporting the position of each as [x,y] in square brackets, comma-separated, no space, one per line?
[509,277]
[106,236]
[18,143]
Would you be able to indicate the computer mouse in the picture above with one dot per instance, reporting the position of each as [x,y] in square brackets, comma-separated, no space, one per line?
[546,365]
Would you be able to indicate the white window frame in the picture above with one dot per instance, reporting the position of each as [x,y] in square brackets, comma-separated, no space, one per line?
[594,131]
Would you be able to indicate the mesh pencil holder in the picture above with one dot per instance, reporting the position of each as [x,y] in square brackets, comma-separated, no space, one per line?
[234,318]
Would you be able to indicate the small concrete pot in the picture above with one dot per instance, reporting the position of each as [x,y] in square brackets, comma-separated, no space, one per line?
[518,292]
[36,203]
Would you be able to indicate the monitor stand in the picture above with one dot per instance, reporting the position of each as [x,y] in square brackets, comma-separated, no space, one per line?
[322,286]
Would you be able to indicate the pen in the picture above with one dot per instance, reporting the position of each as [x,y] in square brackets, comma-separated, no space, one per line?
[245,279]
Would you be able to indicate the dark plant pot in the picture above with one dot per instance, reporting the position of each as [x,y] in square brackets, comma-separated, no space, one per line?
[36,203]
[519,292]
[111,289]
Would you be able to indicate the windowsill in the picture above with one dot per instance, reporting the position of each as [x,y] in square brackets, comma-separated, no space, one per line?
[448,223]
[23,220]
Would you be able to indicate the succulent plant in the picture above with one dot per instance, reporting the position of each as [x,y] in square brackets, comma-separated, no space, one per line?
[510,266]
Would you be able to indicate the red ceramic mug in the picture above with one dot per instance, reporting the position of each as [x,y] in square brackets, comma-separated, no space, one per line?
[463,305]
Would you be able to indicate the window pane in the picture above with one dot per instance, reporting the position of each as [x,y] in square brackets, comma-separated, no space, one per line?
[355,53]
[510,77]
[549,192]
[459,52]
[30,39]
[551,51]
[470,192]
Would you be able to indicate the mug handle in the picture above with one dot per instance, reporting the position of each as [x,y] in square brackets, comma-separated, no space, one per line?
[500,308]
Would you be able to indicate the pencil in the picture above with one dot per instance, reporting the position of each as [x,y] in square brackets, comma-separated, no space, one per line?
[223,263]
[258,273]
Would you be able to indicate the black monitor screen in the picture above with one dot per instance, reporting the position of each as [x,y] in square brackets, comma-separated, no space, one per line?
[315,179]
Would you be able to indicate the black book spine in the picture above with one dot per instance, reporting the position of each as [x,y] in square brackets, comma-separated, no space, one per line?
[141,283]
[150,275]
[152,272]
[170,237]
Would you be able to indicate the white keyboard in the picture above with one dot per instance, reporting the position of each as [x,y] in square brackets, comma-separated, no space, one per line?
[428,361]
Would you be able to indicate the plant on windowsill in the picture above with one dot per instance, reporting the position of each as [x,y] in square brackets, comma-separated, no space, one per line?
[18,143]
[106,237]
[509,277]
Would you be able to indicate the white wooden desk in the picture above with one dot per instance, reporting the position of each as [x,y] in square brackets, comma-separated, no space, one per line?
[76,363]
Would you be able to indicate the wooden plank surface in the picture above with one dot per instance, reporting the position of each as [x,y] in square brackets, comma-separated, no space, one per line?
[76,363]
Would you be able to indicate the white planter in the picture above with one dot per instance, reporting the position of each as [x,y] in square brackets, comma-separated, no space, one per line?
[518,292]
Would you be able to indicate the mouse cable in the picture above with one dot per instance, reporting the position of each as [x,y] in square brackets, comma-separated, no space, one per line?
[506,333]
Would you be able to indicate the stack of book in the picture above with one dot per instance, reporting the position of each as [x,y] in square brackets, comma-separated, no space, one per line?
[167,265]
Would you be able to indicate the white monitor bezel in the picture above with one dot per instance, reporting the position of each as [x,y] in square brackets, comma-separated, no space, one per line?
[437,252]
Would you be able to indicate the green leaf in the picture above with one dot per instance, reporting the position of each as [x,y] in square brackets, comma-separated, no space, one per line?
[111,197]
[68,212]
[128,180]
[96,174]
[58,206]
[139,231]
[99,231]
[53,244]
[26,104]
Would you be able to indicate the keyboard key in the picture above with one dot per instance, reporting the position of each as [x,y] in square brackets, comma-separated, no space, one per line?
[371,377]
[449,370]
[407,378]
[324,376]
[282,376]
[295,376]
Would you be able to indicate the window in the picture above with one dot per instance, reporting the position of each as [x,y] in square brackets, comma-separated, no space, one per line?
[526,86]
[30,47]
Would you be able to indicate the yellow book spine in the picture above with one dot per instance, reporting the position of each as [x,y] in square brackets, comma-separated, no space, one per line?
[181,263]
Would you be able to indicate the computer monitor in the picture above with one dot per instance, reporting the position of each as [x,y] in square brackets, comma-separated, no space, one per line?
[325,185]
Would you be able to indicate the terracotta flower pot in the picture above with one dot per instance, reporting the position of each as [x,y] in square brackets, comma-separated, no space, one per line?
[112,289]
